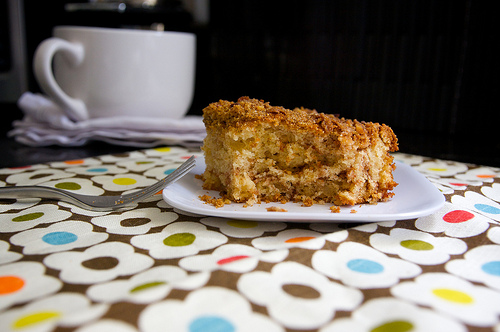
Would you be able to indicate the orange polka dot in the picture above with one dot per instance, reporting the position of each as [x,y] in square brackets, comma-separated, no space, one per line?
[299,239]
[485,176]
[20,167]
[10,284]
[74,162]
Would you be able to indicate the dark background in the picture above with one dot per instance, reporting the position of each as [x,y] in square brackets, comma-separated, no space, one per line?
[426,68]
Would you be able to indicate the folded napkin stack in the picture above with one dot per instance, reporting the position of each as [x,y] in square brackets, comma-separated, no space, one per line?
[44,123]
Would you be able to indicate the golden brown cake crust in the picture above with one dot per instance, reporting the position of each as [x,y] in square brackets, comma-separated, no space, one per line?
[246,110]
[257,152]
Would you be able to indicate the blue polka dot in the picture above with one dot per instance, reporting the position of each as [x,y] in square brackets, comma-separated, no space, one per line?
[168,171]
[492,268]
[487,208]
[97,170]
[59,238]
[211,324]
[365,266]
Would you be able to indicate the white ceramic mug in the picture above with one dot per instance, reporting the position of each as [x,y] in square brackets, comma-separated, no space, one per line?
[103,72]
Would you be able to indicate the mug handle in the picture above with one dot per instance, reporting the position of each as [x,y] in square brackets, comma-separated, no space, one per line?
[42,64]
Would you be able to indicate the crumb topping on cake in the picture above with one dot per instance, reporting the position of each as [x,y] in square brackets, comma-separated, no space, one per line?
[247,111]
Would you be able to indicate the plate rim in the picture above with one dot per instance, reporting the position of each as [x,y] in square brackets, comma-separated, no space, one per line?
[436,201]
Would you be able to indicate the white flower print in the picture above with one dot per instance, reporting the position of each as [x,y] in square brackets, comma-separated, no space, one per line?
[233,258]
[179,239]
[138,221]
[44,315]
[79,211]
[37,176]
[107,325]
[482,174]
[447,190]
[75,185]
[141,164]
[31,217]
[162,171]
[334,232]
[361,266]
[169,151]
[459,298]
[99,169]
[162,204]
[18,204]
[123,182]
[418,247]
[206,309]
[24,281]
[481,264]
[242,228]
[454,221]
[407,158]
[148,286]
[478,203]
[21,169]
[61,236]
[102,262]
[275,291]
[453,184]
[75,163]
[291,238]
[441,168]
[389,314]
[492,192]
[372,227]
[116,158]
[7,256]
[494,234]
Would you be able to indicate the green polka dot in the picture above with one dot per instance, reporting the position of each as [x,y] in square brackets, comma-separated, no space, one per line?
[28,217]
[147,286]
[394,326]
[179,240]
[68,186]
[416,245]
[242,223]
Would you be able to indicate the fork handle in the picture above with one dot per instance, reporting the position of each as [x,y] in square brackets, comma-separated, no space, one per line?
[29,192]
[41,192]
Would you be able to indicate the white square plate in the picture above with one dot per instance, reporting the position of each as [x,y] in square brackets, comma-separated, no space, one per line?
[414,197]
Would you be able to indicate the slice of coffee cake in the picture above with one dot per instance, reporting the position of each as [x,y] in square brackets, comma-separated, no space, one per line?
[257,152]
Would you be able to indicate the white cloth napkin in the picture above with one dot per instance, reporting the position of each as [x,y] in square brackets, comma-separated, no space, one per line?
[44,123]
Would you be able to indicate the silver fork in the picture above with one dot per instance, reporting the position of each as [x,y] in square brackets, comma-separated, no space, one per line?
[97,203]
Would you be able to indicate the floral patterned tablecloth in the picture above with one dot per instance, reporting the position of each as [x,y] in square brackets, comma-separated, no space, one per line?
[154,268]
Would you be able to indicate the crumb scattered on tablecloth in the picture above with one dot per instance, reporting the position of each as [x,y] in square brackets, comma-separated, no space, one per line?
[335,209]
[354,211]
[276,209]
[217,202]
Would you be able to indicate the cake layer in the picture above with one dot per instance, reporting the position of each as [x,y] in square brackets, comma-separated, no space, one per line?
[257,152]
